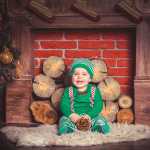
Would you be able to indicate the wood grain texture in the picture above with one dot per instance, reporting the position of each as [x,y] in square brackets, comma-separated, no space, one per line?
[142,54]
[142,101]
[18,99]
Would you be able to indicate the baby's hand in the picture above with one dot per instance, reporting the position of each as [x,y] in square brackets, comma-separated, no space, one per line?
[86,117]
[74,117]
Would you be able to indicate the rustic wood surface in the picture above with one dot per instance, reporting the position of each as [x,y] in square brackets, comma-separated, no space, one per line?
[142,102]
[18,98]
[66,18]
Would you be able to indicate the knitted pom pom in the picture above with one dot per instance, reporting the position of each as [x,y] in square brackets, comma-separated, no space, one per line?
[100,70]
[43,86]
[53,66]
[82,63]
[110,89]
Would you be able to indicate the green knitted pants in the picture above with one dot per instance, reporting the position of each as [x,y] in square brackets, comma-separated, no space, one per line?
[99,124]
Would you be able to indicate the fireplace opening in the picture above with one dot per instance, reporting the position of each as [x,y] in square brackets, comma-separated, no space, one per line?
[115,47]
[115,38]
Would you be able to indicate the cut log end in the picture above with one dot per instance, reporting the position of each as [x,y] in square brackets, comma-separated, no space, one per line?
[125,116]
[43,112]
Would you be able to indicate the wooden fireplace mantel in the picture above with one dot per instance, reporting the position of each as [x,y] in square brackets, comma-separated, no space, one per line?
[23,22]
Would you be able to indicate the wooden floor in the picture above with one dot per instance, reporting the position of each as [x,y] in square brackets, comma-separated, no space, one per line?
[138,145]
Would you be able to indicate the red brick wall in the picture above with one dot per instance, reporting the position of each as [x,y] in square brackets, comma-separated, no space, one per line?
[115,47]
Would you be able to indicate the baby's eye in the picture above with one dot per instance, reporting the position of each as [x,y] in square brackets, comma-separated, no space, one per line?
[84,74]
[75,74]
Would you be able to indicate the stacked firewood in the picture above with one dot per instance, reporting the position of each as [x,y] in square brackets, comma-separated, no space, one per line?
[125,115]
[47,91]
[117,106]
[48,87]
[109,88]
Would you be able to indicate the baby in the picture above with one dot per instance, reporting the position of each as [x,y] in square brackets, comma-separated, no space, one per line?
[82,100]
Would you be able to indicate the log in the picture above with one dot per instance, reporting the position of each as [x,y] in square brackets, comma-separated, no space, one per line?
[125,101]
[54,66]
[110,89]
[43,86]
[89,13]
[110,110]
[40,10]
[43,112]
[56,97]
[100,70]
[131,12]
[125,116]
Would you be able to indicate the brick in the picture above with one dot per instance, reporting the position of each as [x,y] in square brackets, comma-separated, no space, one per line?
[116,36]
[110,62]
[46,53]
[58,44]
[82,35]
[123,36]
[36,62]
[116,54]
[42,61]
[68,61]
[119,72]
[96,44]
[82,53]
[47,35]
[127,90]
[123,44]
[109,36]
[124,63]
[124,80]
[36,71]
[35,45]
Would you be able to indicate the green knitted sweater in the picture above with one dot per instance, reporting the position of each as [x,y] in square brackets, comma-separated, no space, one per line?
[81,102]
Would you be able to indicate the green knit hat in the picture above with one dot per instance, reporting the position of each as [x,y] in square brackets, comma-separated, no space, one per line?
[82,63]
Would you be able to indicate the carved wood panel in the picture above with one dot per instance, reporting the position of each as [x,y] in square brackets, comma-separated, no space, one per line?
[142,101]
[143,54]
[18,99]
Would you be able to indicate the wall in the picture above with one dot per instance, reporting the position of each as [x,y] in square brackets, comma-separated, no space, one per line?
[115,47]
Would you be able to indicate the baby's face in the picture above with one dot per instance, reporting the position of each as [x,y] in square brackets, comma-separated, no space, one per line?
[81,78]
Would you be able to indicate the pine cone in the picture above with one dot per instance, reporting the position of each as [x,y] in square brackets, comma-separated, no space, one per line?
[83,124]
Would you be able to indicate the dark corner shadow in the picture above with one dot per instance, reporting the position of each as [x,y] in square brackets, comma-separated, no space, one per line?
[5,144]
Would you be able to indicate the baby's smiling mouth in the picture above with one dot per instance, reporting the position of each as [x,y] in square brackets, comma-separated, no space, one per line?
[79,82]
